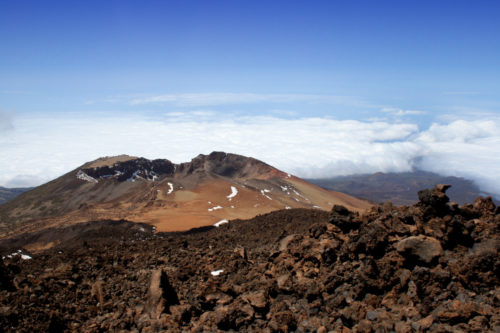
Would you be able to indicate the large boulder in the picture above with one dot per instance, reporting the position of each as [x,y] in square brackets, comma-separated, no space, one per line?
[422,248]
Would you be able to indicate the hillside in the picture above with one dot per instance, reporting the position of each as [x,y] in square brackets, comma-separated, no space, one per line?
[399,188]
[433,266]
[171,197]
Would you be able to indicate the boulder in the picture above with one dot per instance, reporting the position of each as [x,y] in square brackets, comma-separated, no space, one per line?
[421,247]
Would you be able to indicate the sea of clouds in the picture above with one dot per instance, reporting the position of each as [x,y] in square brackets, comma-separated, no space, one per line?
[38,148]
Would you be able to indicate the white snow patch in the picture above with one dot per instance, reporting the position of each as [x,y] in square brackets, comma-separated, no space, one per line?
[221,222]
[318,207]
[134,175]
[234,191]
[171,188]
[288,175]
[214,208]
[19,252]
[232,206]
[300,195]
[288,207]
[217,272]
[83,176]
[284,188]
[142,229]
[263,192]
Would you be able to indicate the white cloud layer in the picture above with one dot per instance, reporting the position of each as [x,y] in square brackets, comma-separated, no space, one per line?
[213,99]
[400,112]
[40,148]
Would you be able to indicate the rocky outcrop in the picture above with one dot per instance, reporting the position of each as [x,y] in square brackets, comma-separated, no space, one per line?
[132,169]
[434,266]
[217,163]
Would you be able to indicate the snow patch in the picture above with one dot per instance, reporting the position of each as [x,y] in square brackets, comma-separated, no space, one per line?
[288,207]
[134,176]
[263,192]
[317,207]
[300,195]
[19,253]
[234,191]
[221,222]
[214,208]
[284,188]
[83,176]
[217,272]
[171,188]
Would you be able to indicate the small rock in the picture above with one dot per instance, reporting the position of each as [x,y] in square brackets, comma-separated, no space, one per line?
[256,299]
[372,315]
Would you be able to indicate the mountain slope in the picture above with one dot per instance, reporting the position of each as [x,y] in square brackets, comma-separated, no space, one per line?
[171,197]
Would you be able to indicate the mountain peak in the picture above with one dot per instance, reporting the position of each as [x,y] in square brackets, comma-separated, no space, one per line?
[208,190]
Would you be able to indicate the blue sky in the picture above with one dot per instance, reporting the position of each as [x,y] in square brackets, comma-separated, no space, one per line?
[423,64]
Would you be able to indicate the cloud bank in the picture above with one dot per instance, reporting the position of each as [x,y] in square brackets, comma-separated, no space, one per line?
[42,148]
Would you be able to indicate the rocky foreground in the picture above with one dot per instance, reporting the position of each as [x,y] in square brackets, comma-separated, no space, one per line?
[433,266]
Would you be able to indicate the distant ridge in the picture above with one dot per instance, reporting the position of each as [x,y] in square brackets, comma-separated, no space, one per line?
[7,194]
[399,188]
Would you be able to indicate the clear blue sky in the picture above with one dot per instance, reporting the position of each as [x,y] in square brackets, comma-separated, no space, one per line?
[412,55]
[376,85]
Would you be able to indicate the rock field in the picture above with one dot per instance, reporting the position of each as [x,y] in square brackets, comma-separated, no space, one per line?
[433,267]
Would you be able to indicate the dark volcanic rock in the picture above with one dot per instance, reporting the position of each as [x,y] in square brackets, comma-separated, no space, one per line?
[5,277]
[429,267]
[140,167]
[218,163]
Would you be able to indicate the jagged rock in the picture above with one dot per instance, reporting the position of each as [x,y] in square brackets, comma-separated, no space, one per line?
[161,295]
[256,299]
[435,200]
[484,205]
[343,218]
